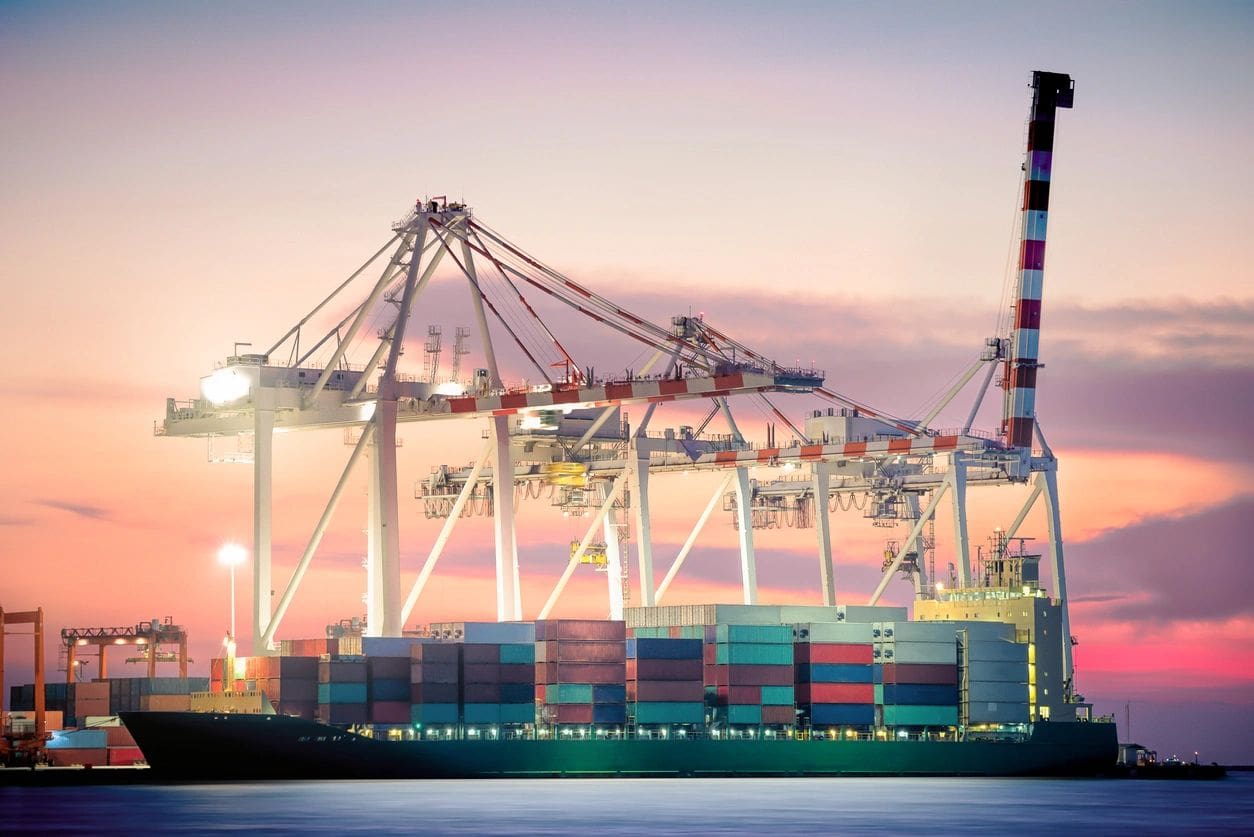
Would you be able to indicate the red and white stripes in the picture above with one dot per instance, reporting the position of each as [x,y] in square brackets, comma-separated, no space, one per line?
[1051,91]
[875,449]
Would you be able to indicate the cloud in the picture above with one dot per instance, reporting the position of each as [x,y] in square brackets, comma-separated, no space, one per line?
[1191,566]
[79,509]
[14,520]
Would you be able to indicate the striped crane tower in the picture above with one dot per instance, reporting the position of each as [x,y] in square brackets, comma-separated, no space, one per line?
[1051,91]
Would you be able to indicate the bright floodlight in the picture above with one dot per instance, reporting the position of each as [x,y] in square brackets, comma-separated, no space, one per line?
[232,554]
[225,385]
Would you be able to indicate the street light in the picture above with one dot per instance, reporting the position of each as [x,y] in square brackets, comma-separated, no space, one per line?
[232,554]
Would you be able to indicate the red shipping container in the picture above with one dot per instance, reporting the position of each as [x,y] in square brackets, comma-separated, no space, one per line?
[119,737]
[709,653]
[93,707]
[743,694]
[433,693]
[595,673]
[518,673]
[546,672]
[388,668]
[216,687]
[716,676]
[124,755]
[587,652]
[835,693]
[540,693]
[833,652]
[70,756]
[483,693]
[215,668]
[667,690]
[581,629]
[96,690]
[749,675]
[933,674]
[573,713]
[665,670]
[481,673]
[424,672]
[435,652]
[389,712]
[778,715]
[485,653]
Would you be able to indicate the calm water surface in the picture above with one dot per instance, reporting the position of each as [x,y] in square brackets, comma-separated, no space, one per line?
[636,807]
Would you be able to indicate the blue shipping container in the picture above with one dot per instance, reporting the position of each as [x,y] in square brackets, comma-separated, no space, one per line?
[78,739]
[609,693]
[388,690]
[609,713]
[840,714]
[920,695]
[645,648]
[518,693]
[387,646]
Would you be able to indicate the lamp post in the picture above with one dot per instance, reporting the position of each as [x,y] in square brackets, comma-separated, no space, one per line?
[231,554]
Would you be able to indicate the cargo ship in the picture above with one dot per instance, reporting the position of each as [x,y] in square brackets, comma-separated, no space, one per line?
[717,690]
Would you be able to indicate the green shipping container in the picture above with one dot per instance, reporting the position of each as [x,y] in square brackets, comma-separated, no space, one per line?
[879,693]
[518,653]
[568,693]
[778,696]
[668,712]
[758,654]
[920,716]
[744,714]
[758,634]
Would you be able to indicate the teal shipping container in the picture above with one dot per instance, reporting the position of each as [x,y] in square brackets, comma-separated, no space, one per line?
[517,653]
[778,696]
[433,713]
[762,634]
[345,693]
[740,714]
[569,693]
[669,712]
[920,716]
[760,654]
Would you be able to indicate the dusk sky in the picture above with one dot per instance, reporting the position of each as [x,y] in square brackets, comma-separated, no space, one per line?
[828,182]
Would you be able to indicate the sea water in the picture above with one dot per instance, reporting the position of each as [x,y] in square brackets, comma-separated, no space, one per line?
[601,808]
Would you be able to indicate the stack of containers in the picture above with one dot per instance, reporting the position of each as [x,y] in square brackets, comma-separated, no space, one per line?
[581,671]
[291,685]
[834,674]
[998,681]
[434,674]
[498,673]
[665,681]
[89,747]
[388,689]
[342,691]
[918,683]
[749,670]
[91,700]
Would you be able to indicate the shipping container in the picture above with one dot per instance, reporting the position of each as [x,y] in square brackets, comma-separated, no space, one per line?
[581,629]
[832,652]
[667,691]
[165,703]
[668,712]
[981,692]
[609,713]
[569,693]
[664,649]
[931,673]
[424,672]
[433,713]
[332,671]
[388,646]
[591,673]
[481,692]
[78,739]
[841,714]
[572,651]
[997,672]
[774,634]
[481,673]
[390,690]
[753,654]
[520,654]
[917,652]
[738,714]
[835,693]
[664,669]
[433,693]
[833,632]
[570,713]
[834,673]
[518,673]
[609,693]
[921,716]
[997,652]
[778,696]
[388,668]
[389,712]
[488,652]
[123,756]
[920,695]
[517,693]
[338,693]
[93,757]
[758,675]
[344,713]
[998,713]
[477,633]
[436,652]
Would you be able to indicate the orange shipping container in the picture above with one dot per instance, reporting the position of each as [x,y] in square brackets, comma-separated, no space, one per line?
[119,737]
[124,755]
[69,757]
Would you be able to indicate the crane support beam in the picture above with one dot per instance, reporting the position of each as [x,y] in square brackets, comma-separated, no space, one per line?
[957,478]
[823,528]
[908,544]
[263,513]
[320,529]
[613,563]
[744,510]
[1053,520]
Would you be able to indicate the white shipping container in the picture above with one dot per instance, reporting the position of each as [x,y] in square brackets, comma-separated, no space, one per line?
[833,632]
[870,613]
[920,631]
[917,652]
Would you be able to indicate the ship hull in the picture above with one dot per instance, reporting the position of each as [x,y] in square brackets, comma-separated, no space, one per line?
[186,745]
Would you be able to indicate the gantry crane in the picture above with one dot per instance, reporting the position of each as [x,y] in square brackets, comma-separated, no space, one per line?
[146,636]
[20,747]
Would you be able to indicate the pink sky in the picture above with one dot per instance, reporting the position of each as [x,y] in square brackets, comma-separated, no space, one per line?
[835,184]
